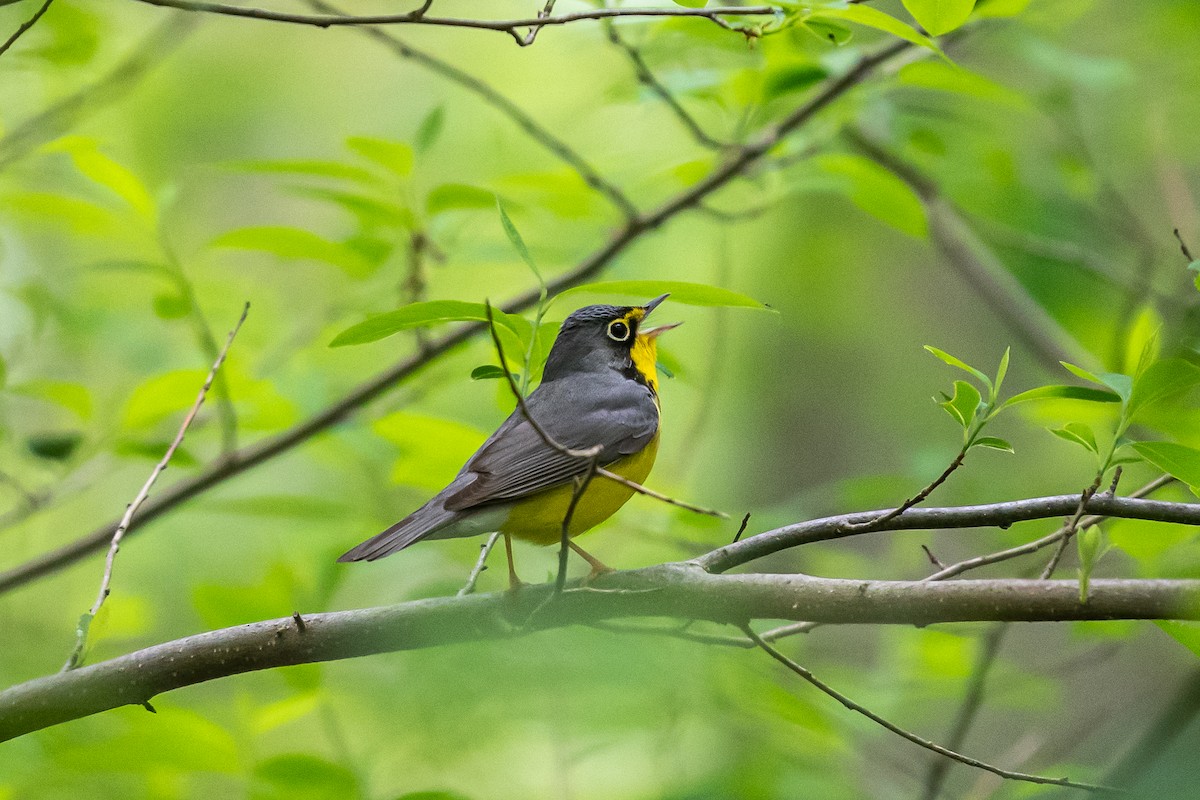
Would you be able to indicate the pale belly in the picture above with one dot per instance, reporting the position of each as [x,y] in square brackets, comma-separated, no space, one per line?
[539,518]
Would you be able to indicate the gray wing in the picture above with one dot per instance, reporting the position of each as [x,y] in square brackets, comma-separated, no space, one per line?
[620,415]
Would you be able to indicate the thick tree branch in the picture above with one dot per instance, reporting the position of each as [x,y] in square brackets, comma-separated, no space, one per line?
[633,229]
[683,591]
[990,515]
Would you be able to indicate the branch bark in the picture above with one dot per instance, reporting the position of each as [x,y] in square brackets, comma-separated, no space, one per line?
[681,590]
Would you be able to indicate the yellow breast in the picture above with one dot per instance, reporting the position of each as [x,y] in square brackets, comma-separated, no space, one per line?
[539,518]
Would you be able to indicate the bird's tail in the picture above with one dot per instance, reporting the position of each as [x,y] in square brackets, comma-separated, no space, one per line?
[426,520]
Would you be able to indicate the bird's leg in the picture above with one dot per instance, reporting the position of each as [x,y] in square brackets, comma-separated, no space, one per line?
[598,566]
[514,582]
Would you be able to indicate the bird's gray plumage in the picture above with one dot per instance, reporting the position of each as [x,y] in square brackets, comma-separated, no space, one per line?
[599,405]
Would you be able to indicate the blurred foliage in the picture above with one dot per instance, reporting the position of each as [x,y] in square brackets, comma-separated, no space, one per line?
[355,197]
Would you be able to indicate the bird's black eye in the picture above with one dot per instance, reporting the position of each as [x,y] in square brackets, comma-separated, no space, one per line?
[618,331]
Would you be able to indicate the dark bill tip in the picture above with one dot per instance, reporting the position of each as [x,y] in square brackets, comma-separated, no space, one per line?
[653,304]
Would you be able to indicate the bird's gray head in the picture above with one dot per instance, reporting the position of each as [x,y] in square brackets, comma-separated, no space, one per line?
[603,337]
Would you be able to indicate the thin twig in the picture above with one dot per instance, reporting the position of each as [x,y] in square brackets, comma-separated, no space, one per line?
[647,79]
[742,528]
[485,550]
[640,489]
[917,498]
[1069,529]
[106,580]
[909,735]
[1037,544]
[533,32]
[581,484]
[25,26]
[1183,248]
[968,711]
[507,26]
[588,452]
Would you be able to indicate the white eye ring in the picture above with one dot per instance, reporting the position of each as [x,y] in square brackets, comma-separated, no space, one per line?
[618,330]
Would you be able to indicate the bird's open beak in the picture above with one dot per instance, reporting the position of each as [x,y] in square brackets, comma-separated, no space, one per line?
[653,304]
[661,329]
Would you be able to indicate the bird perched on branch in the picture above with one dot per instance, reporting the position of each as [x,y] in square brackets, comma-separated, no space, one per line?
[597,406]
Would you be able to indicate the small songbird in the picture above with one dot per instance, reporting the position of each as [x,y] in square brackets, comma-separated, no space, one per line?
[599,389]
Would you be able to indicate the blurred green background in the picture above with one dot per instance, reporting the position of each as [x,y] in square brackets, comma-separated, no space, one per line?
[1062,138]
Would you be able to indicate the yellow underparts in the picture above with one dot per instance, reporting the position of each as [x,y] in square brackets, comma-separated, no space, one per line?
[539,518]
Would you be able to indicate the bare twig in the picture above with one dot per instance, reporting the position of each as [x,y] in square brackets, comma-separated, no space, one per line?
[1068,530]
[508,26]
[648,492]
[932,558]
[919,497]
[1183,248]
[647,79]
[114,547]
[533,32]
[1038,544]
[968,711]
[25,26]
[909,735]
[742,527]
[485,550]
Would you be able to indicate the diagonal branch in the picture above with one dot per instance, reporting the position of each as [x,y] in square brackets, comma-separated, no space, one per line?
[647,79]
[909,735]
[671,590]
[127,518]
[25,26]
[633,230]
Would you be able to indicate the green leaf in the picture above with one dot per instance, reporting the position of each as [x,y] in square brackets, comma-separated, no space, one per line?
[115,177]
[518,243]
[74,397]
[396,157]
[487,372]
[939,76]
[296,243]
[1142,345]
[940,16]
[300,776]
[1179,460]
[691,3]
[1161,380]
[1001,372]
[874,18]
[1091,547]
[457,197]
[54,446]
[311,167]
[688,294]
[963,405]
[828,31]
[171,306]
[418,315]
[1121,384]
[1062,393]
[993,442]
[431,449]
[958,362]
[369,210]
[1078,433]
[80,216]
[1186,633]
[430,129]
[876,190]
[790,78]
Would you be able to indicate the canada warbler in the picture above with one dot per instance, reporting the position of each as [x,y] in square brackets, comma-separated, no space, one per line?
[599,390]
